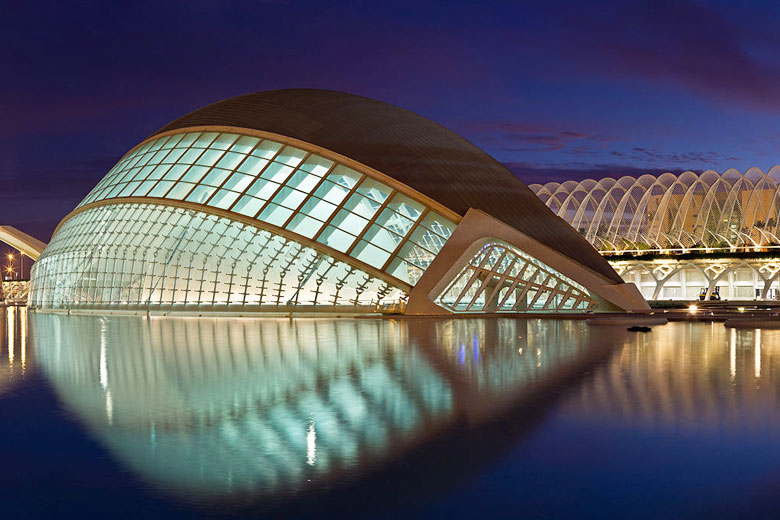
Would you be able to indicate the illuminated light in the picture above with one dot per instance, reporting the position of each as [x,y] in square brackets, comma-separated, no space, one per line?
[23,332]
[741,309]
[109,408]
[10,320]
[103,365]
[757,353]
[311,444]
[692,308]
[733,353]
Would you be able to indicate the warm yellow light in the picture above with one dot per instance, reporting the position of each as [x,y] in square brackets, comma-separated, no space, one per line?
[10,256]
[692,308]
[741,309]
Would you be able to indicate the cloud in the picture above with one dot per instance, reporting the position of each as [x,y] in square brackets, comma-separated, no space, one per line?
[512,136]
[532,173]
[678,158]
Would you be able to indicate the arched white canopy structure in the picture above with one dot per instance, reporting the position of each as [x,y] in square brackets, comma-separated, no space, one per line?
[671,212]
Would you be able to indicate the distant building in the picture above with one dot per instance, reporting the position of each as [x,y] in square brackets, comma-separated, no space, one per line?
[678,236]
[309,200]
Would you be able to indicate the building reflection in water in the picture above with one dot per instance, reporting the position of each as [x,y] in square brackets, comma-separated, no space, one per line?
[694,377]
[221,408]
[14,356]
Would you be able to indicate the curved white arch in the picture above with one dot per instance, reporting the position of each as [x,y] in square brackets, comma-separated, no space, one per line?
[20,240]
[672,211]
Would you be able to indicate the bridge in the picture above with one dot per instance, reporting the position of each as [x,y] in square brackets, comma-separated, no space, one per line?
[14,292]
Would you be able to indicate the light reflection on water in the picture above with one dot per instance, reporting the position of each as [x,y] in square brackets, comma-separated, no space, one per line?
[14,359]
[689,377]
[244,411]
[248,408]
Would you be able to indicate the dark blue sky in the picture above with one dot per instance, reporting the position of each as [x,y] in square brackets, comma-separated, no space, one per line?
[555,91]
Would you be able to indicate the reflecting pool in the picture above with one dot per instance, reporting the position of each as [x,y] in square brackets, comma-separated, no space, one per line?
[415,418]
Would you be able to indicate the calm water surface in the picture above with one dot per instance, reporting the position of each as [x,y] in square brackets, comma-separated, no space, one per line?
[124,417]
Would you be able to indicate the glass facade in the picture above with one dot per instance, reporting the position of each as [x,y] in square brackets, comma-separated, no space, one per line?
[152,256]
[286,187]
[501,278]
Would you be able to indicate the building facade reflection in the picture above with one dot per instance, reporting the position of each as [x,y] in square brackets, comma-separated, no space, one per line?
[689,377]
[243,408]
[15,358]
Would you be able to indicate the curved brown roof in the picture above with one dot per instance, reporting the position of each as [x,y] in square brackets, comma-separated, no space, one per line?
[416,151]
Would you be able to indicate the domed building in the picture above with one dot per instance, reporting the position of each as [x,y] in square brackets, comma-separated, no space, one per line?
[305,200]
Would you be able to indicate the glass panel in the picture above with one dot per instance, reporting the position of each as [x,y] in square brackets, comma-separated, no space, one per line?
[161,189]
[405,206]
[394,222]
[331,192]
[349,222]
[201,194]
[188,139]
[290,156]
[303,181]
[438,224]
[266,149]
[374,190]
[304,225]
[224,199]
[404,271]
[216,177]
[344,176]
[180,190]
[230,160]
[276,172]
[204,140]
[318,208]
[427,239]
[129,188]
[209,157]
[176,171]
[382,238]
[245,144]
[317,165]
[336,238]
[238,182]
[195,173]
[253,165]
[275,215]
[289,198]
[174,156]
[158,143]
[248,206]
[223,142]
[159,171]
[370,254]
[262,189]
[173,141]
[362,206]
[144,188]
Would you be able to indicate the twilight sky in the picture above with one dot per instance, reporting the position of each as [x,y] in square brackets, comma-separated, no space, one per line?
[555,91]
